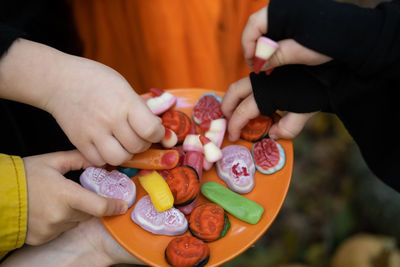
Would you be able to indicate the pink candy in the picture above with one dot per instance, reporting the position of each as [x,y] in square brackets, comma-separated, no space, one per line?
[112,184]
[237,168]
[170,222]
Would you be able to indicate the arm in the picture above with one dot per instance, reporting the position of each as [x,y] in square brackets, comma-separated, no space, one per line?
[366,40]
[94,105]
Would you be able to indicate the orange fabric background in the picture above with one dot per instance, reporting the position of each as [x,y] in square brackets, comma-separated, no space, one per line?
[167,43]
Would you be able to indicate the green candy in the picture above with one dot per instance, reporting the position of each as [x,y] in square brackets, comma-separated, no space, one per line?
[237,205]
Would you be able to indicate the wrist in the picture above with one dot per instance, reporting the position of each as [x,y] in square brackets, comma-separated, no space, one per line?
[29,72]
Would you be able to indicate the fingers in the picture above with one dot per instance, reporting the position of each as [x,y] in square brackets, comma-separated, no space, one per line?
[255,27]
[111,150]
[290,125]
[291,52]
[244,112]
[66,161]
[235,94]
[129,140]
[88,202]
[146,124]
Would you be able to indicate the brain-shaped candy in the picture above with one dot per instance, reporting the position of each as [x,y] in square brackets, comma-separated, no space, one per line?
[112,184]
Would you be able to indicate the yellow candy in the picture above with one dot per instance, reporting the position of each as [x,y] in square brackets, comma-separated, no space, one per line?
[158,190]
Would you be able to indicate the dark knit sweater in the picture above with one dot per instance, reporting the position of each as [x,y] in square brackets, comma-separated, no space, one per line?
[359,85]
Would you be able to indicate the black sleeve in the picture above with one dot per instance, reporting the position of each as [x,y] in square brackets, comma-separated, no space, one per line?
[367,106]
[294,88]
[366,40]
[44,21]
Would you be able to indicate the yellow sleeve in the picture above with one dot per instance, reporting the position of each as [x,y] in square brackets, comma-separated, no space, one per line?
[13,203]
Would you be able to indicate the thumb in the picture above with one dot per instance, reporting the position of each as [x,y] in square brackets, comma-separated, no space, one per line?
[290,125]
[88,202]
[291,52]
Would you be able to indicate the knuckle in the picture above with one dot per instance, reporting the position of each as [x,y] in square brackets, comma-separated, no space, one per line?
[152,132]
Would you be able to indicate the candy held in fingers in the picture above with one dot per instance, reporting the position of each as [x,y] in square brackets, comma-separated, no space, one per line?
[207,108]
[161,102]
[170,139]
[178,122]
[112,184]
[154,159]
[208,222]
[256,128]
[184,184]
[268,156]
[158,190]
[264,49]
[170,222]
[212,153]
[187,251]
[236,168]
[237,205]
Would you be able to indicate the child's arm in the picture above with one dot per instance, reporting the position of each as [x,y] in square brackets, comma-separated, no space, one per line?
[94,105]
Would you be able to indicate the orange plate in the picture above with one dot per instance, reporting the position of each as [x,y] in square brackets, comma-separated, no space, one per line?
[269,191]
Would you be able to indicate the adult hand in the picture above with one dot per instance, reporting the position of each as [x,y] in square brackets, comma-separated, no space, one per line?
[56,204]
[239,106]
[94,105]
[289,51]
[88,244]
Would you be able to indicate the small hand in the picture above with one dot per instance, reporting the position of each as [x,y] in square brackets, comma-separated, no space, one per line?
[88,244]
[101,114]
[56,204]
[239,106]
[289,51]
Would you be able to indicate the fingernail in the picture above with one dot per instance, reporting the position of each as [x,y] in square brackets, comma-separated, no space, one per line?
[124,208]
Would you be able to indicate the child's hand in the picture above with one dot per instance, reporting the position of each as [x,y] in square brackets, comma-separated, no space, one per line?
[56,204]
[102,115]
[88,244]
[289,51]
[94,105]
[239,106]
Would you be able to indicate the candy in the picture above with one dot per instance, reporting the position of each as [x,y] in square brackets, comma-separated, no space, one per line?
[256,128]
[187,251]
[212,153]
[236,168]
[158,190]
[207,222]
[237,205]
[184,184]
[264,49]
[161,102]
[268,156]
[192,143]
[207,108]
[170,222]
[154,159]
[170,139]
[178,122]
[216,131]
[130,172]
[112,184]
